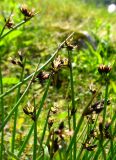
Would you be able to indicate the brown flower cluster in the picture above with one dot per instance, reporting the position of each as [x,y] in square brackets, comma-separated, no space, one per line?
[104,69]
[58,63]
[26,12]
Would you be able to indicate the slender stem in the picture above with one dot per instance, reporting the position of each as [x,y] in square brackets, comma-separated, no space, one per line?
[42,67]
[105,101]
[104,116]
[2,30]
[73,99]
[2,112]
[16,113]
[35,133]
[44,130]
[69,125]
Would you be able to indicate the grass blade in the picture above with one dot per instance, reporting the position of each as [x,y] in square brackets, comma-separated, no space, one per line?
[35,133]
[16,113]
[73,99]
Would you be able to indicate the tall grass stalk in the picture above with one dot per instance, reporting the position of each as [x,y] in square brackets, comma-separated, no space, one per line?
[73,99]
[44,130]
[16,112]
[35,133]
[69,125]
[37,115]
[104,117]
[2,112]
[105,100]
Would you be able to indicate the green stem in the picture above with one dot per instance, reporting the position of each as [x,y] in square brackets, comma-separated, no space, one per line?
[73,100]
[69,125]
[105,101]
[44,130]
[104,116]
[16,113]
[35,133]
[2,30]
[2,112]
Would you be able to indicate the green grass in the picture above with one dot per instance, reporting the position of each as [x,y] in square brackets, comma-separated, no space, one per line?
[55,124]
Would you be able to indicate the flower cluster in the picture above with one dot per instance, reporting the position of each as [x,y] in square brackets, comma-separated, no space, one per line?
[26,12]
[104,69]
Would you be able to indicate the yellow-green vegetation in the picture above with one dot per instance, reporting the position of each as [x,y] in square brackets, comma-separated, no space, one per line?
[57,80]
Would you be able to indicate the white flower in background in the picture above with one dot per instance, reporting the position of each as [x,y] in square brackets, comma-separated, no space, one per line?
[111,8]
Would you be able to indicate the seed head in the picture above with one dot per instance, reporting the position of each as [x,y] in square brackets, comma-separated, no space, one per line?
[26,12]
[58,63]
[104,69]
